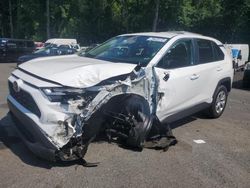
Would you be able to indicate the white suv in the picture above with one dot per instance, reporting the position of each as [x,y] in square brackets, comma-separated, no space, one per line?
[122,87]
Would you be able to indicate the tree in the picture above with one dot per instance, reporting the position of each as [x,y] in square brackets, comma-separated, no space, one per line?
[48,19]
[97,20]
[11,21]
[157,4]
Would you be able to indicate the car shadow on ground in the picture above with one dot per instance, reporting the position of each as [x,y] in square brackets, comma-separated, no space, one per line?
[9,140]
[184,121]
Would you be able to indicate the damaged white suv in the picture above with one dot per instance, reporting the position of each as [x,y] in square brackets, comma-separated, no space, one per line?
[123,88]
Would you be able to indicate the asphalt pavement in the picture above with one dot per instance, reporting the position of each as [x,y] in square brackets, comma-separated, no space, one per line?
[209,153]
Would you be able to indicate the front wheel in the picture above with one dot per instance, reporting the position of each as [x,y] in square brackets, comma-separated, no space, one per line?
[219,102]
[132,121]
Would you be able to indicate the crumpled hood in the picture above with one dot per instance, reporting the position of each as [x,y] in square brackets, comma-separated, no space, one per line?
[75,71]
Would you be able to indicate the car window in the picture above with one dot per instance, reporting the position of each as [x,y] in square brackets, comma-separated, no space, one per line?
[179,55]
[205,51]
[2,43]
[64,47]
[11,44]
[43,51]
[30,44]
[20,44]
[54,51]
[218,54]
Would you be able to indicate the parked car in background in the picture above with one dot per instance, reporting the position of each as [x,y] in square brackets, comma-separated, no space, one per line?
[85,49]
[51,50]
[11,49]
[246,77]
[61,41]
[125,87]
[39,45]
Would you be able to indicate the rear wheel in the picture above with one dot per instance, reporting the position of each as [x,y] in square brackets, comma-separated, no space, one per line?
[219,102]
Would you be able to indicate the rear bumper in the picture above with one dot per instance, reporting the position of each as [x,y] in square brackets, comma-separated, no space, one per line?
[31,134]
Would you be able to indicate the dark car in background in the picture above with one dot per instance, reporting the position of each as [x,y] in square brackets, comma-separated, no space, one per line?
[51,50]
[246,77]
[11,49]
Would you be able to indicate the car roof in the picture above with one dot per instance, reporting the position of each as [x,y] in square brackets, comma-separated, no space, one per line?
[62,41]
[171,34]
[168,34]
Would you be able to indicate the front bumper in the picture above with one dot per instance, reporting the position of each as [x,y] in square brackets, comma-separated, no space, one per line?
[44,126]
[30,133]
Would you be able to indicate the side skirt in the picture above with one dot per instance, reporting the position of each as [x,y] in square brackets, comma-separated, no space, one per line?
[186,113]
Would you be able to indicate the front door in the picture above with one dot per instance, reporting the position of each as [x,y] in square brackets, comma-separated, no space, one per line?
[179,91]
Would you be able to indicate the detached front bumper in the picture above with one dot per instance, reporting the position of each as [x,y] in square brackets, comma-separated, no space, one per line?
[30,132]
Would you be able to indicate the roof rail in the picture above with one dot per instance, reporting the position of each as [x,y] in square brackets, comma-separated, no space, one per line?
[184,32]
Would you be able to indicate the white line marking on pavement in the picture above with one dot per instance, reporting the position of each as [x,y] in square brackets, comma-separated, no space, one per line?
[199,141]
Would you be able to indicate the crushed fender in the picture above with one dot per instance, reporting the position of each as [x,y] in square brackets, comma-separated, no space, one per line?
[123,109]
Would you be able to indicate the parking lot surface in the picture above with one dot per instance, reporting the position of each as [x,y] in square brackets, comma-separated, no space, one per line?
[222,161]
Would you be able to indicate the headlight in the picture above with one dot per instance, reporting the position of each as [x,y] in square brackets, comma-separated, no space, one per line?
[64,94]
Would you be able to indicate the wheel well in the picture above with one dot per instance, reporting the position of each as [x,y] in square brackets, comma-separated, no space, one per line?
[117,100]
[227,83]
[224,82]
[95,123]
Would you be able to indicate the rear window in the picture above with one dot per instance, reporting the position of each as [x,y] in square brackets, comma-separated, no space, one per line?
[205,51]
[209,51]
[218,54]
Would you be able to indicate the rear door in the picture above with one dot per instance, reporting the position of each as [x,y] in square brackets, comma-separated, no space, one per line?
[209,66]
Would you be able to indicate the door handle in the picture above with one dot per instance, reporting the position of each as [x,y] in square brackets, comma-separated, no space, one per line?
[219,68]
[194,77]
[166,76]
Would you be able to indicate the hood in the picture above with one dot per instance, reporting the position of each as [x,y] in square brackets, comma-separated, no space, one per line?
[75,71]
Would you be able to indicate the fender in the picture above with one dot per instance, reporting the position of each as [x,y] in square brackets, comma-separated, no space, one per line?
[118,117]
[226,82]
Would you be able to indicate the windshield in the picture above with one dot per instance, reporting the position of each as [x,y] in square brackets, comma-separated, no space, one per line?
[48,50]
[128,49]
[45,50]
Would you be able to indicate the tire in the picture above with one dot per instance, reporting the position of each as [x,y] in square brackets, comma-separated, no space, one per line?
[219,102]
[139,109]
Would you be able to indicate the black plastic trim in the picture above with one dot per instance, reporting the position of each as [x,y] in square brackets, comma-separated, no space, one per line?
[185,113]
[227,79]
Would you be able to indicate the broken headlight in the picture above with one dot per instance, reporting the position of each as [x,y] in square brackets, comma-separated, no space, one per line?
[64,94]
